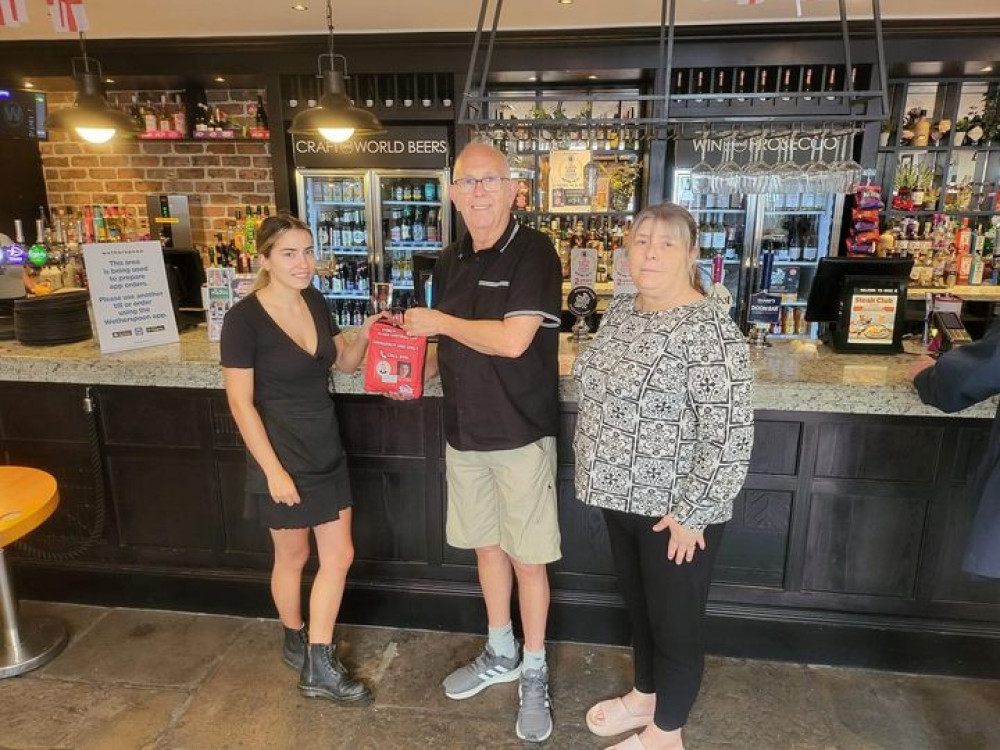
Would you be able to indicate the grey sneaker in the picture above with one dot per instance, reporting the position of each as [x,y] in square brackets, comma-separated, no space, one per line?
[486,669]
[534,716]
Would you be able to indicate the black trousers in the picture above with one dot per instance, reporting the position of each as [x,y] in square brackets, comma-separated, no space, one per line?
[666,607]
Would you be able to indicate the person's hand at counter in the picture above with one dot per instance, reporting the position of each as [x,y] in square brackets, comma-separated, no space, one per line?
[921,364]
[422,321]
[683,541]
[282,487]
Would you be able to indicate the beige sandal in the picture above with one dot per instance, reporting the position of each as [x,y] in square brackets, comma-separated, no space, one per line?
[617,719]
[632,742]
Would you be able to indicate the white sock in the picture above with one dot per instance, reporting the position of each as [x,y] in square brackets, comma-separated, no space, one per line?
[502,641]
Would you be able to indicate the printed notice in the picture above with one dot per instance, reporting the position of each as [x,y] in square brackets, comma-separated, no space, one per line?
[583,267]
[128,288]
[872,318]
[622,277]
[567,182]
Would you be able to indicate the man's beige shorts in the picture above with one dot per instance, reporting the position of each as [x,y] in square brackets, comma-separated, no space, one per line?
[505,498]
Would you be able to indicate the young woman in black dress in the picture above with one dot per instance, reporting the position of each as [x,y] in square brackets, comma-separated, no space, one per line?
[278,346]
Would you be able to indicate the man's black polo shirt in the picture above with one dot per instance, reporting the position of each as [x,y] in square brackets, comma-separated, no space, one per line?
[491,402]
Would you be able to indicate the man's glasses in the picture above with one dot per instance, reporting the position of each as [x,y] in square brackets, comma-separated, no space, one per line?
[467,185]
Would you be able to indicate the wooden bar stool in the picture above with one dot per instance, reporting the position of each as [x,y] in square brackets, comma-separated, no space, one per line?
[27,498]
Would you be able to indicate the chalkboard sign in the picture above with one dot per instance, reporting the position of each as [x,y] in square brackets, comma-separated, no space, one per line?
[22,114]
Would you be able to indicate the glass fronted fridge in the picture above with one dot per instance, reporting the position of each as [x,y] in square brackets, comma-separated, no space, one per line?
[367,225]
[337,206]
[798,228]
[722,231]
[414,217]
[372,205]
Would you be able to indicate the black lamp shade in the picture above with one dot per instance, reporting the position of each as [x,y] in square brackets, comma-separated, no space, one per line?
[334,111]
[91,110]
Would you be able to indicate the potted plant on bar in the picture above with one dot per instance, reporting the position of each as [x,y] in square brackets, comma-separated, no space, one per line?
[906,180]
[961,128]
[884,132]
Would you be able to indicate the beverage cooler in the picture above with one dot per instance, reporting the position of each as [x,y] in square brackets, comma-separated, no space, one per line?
[372,203]
[367,225]
[798,229]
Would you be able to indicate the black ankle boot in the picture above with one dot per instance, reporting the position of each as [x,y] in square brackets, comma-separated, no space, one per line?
[323,676]
[294,651]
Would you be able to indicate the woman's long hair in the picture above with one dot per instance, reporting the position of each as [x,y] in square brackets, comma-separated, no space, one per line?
[680,220]
[267,236]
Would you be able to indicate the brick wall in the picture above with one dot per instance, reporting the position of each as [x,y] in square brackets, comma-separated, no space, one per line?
[217,177]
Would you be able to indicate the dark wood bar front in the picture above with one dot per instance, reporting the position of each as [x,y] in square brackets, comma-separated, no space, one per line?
[845,546]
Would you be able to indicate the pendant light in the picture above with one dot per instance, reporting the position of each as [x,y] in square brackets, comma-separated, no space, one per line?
[90,117]
[334,117]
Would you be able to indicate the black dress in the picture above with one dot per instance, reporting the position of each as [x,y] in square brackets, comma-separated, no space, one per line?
[291,394]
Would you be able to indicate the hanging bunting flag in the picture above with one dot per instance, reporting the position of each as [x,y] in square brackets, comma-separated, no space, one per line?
[68,15]
[13,13]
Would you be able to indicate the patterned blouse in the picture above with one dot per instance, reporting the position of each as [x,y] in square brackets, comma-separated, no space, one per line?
[665,420]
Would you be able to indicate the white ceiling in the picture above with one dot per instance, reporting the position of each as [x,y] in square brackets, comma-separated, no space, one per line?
[125,19]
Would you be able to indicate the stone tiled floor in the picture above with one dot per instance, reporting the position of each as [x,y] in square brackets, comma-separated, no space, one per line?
[143,679]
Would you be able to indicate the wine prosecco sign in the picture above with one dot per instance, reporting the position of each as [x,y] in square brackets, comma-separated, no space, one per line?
[397,148]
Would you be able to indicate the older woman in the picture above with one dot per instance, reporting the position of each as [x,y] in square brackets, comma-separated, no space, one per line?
[662,444]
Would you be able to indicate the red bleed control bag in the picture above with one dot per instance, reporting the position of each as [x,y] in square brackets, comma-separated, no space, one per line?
[395,361]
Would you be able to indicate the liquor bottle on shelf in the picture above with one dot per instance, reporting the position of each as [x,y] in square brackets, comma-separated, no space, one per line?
[767,82]
[360,230]
[179,118]
[722,82]
[705,238]
[249,232]
[702,82]
[260,115]
[432,232]
[744,83]
[811,81]
[680,82]
[445,85]
[789,81]
[387,89]
[834,80]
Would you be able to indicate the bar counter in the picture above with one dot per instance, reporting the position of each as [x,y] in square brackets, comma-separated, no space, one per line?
[845,546]
[787,378]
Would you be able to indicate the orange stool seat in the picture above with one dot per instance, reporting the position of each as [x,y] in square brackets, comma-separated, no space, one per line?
[27,498]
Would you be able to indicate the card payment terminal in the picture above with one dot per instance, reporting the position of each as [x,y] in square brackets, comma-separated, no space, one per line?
[951,332]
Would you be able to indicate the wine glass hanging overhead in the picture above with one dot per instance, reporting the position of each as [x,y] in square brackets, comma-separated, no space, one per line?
[758,94]
[797,159]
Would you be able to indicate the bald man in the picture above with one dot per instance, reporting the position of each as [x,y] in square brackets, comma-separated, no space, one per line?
[497,312]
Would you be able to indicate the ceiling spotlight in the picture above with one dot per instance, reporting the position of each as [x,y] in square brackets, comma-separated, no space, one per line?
[300,7]
[90,117]
[532,78]
[109,80]
[987,69]
[334,117]
[592,77]
[565,2]
[219,79]
[29,85]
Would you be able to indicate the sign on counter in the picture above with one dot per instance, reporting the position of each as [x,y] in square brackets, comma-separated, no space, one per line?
[621,276]
[583,267]
[129,292]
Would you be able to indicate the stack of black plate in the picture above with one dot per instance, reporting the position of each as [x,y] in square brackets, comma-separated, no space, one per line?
[6,319]
[53,319]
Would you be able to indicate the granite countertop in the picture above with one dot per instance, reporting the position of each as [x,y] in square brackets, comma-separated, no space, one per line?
[787,378]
